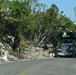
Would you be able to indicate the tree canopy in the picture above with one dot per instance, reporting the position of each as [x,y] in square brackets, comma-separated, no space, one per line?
[30,19]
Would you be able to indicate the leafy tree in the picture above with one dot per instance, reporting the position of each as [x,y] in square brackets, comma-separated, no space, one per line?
[30,19]
[13,20]
[35,28]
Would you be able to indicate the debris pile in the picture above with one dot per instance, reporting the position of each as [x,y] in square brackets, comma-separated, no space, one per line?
[37,53]
[6,53]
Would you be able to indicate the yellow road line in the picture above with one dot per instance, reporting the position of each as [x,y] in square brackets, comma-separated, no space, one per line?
[22,73]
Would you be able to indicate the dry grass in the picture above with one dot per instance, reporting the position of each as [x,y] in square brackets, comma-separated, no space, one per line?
[18,55]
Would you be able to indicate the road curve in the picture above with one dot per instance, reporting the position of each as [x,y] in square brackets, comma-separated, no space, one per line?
[53,66]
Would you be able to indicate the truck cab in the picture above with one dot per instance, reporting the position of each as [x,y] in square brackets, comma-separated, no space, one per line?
[67,45]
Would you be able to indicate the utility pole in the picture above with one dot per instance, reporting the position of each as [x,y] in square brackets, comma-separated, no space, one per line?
[75,14]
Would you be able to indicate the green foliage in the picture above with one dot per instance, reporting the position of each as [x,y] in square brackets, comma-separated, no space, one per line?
[29,18]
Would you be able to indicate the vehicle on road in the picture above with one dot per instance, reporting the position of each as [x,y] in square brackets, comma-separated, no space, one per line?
[67,44]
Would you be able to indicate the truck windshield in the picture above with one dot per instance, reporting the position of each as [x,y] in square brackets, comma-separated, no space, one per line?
[67,42]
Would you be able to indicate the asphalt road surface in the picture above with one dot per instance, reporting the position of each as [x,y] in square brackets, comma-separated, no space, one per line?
[53,66]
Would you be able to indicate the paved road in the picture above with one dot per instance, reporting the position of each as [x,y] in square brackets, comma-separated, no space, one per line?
[53,66]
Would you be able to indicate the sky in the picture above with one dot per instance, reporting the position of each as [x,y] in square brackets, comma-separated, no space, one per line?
[64,5]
